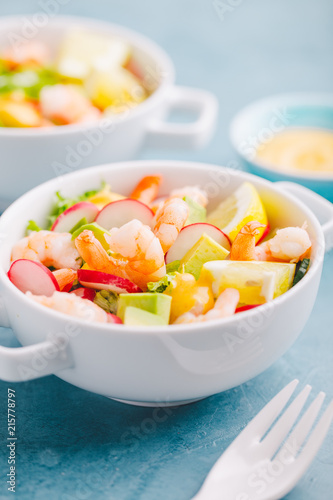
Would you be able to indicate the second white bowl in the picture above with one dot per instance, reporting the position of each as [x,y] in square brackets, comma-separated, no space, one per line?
[32,156]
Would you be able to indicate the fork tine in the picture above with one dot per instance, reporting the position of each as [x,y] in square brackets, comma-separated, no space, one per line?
[316,438]
[302,429]
[310,450]
[275,437]
[262,422]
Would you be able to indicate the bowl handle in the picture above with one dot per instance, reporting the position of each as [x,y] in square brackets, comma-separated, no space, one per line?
[185,135]
[34,361]
[322,208]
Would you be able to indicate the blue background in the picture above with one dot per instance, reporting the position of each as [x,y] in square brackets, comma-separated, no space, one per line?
[74,445]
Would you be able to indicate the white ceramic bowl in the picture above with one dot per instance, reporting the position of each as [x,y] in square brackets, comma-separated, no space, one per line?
[32,156]
[161,365]
[261,120]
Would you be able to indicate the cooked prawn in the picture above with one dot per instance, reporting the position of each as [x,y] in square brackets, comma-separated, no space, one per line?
[169,219]
[244,245]
[194,192]
[49,248]
[157,203]
[290,244]
[34,52]
[65,104]
[146,190]
[64,277]
[225,306]
[73,305]
[135,253]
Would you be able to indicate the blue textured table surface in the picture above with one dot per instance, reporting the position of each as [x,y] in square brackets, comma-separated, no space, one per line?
[74,445]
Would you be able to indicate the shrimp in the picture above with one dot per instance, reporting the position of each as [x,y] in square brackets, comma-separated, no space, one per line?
[146,190]
[225,306]
[194,192]
[73,305]
[244,245]
[48,248]
[64,277]
[169,219]
[157,203]
[33,52]
[290,244]
[135,253]
[65,104]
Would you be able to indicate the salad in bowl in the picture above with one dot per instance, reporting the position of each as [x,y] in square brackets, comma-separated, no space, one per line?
[151,260]
[158,282]
[89,75]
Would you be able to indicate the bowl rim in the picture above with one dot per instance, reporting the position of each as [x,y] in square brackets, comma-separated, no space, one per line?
[316,263]
[136,39]
[324,99]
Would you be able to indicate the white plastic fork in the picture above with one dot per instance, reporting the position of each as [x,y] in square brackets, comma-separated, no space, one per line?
[266,466]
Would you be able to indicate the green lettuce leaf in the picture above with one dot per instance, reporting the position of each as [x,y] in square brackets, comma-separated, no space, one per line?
[63,203]
[107,301]
[173,266]
[33,226]
[162,284]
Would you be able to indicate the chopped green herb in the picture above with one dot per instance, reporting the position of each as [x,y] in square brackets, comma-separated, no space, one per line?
[107,301]
[33,226]
[301,269]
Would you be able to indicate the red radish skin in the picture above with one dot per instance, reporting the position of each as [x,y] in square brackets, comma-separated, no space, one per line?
[246,308]
[105,281]
[264,234]
[189,235]
[28,275]
[112,318]
[85,293]
[67,288]
[70,217]
[117,213]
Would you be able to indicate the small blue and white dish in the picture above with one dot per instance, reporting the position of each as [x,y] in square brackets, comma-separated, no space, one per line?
[261,120]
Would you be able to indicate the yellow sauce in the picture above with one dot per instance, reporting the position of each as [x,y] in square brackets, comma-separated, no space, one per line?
[309,150]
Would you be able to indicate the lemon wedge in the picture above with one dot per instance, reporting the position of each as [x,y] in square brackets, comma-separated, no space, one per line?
[114,89]
[243,206]
[104,197]
[19,114]
[257,282]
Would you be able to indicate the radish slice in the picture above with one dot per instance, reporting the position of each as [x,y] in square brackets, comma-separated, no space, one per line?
[246,308]
[105,281]
[70,217]
[67,288]
[85,293]
[112,318]
[28,275]
[265,233]
[188,237]
[117,213]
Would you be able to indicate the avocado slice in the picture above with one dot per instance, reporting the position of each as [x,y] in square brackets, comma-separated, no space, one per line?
[197,212]
[155,303]
[98,231]
[204,250]
[139,317]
